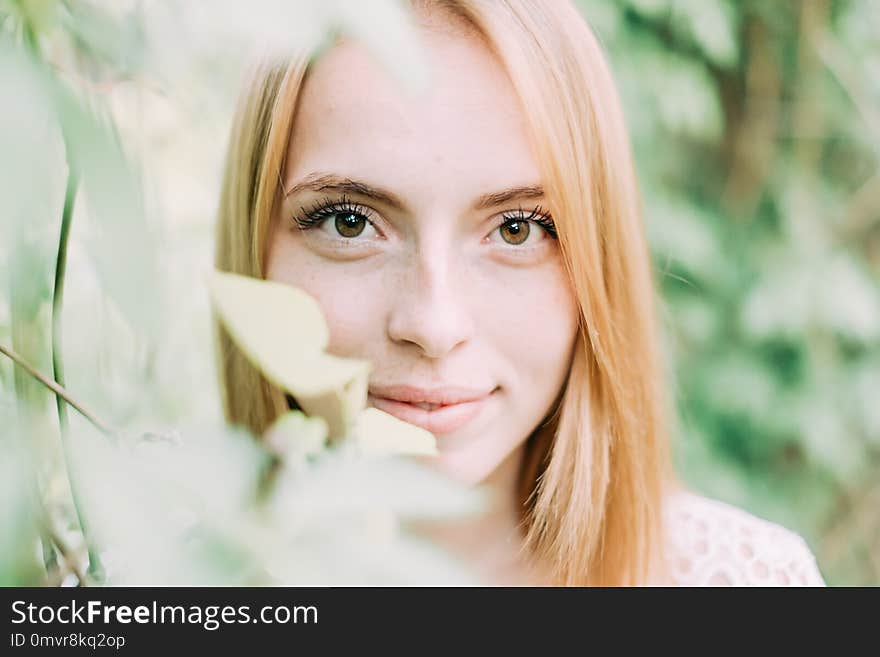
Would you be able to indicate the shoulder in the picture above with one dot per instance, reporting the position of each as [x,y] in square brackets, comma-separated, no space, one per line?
[711,543]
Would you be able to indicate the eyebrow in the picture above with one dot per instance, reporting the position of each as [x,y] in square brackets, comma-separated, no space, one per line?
[318,182]
[487,201]
[323,182]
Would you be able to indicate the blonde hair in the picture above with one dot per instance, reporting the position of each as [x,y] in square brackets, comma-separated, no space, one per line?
[595,476]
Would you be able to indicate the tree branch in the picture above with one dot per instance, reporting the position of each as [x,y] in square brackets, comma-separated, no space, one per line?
[58,390]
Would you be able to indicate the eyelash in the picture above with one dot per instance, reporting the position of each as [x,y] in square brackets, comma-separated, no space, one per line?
[537,216]
[326,208]
[311,217]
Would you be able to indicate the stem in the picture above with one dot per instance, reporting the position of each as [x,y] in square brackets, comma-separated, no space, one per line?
[95,568]
[58,293]
[58,390]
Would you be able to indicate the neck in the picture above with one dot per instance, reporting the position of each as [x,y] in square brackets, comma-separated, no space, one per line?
[491,543]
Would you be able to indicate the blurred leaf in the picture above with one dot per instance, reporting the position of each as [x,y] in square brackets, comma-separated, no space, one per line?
[120,240]
[681,232]
[296,435]
[192,32]
[19,537]
[829,442]
[387,28]
[105,39]
[780,304]
[185,514]
[165,513]
[377,432]
[711,23]
[282,331]
[736,383]
[664,81]
[832,294]
[652,8]
[697,320]
[38,15]
[847,300]
[345,483]
[28,147]
[30,202]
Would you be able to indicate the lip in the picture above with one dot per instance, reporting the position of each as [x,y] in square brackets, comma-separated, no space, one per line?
[456,406]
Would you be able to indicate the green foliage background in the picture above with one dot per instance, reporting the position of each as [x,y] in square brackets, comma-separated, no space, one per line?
[756,127]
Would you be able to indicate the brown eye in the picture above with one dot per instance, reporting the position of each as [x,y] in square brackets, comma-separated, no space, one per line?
[350,224]
[515,232]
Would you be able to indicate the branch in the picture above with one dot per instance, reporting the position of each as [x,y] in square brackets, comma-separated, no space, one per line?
[58,390]
[95,567]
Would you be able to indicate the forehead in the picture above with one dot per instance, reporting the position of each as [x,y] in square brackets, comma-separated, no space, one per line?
[466,130]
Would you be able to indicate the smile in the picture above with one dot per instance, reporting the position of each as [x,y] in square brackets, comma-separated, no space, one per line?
[438,418]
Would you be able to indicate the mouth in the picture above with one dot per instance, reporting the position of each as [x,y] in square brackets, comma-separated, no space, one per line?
[439,419]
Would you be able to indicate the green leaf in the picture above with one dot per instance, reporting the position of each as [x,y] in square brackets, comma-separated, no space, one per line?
[712,25]
[119,238]
[282,331]
[848,299]
[112,42]
[683,233]
[31,197]
[18,514]
[652,8]
[779,305]
[377,432]
[656,82]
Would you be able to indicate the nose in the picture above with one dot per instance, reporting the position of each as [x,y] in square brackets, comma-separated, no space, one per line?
[430,308]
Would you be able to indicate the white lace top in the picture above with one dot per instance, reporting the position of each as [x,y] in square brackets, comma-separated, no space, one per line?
[715,544]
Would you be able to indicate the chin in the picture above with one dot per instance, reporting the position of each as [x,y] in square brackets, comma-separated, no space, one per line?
[465,465]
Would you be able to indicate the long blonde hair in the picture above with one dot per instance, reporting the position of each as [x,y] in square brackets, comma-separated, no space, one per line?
[594,477]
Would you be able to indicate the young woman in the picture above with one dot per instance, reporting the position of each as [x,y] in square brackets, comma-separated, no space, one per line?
[482,246]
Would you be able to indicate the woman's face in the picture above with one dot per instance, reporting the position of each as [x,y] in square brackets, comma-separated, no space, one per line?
[418,225]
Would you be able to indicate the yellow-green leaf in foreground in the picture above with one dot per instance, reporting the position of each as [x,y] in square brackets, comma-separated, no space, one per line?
[377,432]
[281,329]
[295,434]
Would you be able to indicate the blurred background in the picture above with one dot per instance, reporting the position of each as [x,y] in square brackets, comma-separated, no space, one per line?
[756,128]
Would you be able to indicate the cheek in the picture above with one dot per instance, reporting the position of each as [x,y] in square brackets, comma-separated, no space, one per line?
[352,315]
[534,320]
[354,318]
